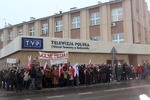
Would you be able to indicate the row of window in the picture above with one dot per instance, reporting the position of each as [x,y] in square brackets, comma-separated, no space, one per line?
[117,38]
[116,15]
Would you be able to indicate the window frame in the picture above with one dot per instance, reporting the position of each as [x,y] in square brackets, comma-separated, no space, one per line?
[10,35]
[1,37]
[59,26]
[116,14]
[31,31]
[94,18]
[45,28]
[20,32]
[97,38]
[76,22]
[119,38]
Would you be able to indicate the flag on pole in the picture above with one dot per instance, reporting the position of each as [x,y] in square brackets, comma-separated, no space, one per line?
[76,70]
[90,64]
[45,66]
[29,66]
[60,70]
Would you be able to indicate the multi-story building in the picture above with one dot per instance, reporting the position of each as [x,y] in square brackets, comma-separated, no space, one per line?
[124,24]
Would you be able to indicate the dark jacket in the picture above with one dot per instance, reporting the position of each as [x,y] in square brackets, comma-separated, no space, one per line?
[128,70]
[33,73]
[20,77]
[39,77]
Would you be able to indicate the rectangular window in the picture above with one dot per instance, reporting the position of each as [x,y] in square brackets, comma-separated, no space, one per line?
[31,31]
[94,19]
[116,14]
[75,22]
[1,37]
[44,28]
[20,32]
[118,38]
[10,35]
[59,26]
[95,38]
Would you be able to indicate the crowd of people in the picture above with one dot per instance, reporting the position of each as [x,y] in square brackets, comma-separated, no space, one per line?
[20,79]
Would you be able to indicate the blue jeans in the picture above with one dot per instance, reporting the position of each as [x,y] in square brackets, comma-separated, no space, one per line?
[7,84]
[119,78]
[71,82]
[139,76]
[32,84]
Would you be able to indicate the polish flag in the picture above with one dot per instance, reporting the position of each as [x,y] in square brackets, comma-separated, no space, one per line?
[45,66]
[76,70]
[39,65]
[60,70]
[29,66]
[90,64]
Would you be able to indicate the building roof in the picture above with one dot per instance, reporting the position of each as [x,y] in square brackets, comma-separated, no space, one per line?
[60,14]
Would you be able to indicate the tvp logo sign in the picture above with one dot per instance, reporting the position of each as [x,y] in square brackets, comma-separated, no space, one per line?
[32,43]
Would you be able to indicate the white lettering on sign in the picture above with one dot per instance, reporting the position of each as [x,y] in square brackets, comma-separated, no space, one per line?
[32,43]
[43,55]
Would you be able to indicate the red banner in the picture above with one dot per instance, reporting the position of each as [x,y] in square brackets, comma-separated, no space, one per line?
[43,55]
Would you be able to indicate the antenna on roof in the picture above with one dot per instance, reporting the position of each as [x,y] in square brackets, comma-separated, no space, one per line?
[74,8]
[32,18]
[99,2]
[5,22]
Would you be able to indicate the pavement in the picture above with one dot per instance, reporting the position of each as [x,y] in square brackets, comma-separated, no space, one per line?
[3,92]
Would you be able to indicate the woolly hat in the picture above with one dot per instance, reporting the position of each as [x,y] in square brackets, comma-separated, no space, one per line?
[119,64]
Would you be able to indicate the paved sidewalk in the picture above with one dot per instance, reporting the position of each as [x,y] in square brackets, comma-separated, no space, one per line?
[3,92]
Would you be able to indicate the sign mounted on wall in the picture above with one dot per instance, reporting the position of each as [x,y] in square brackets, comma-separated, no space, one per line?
[11,60]
[58,61]
[32,43]
[43,55]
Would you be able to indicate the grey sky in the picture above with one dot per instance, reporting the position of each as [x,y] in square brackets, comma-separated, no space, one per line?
[16,11]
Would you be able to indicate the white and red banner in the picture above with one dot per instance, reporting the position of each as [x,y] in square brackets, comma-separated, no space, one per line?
[29,66]
[45,66]
[43,55]
[90,64]
[76,70]
[60,70]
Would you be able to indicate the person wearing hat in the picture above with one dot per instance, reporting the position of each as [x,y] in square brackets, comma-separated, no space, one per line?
[139,71]
[119,72]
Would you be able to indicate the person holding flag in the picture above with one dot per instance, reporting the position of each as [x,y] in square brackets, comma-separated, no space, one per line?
[45,66]
[55,74]
[90,64]
[71,74]
[29,66]
[76,73]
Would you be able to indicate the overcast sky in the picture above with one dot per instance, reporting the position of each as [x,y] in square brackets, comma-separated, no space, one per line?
[16,11]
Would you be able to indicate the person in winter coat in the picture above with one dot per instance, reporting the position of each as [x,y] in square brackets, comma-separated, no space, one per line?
[139,71]
[71,78]
[39,79]
[128,72]
[33,77]
[19,80]
[55,74]
[12,79]
[7,78]
[119,72]
[26,79]
[48,75]
[133,72]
